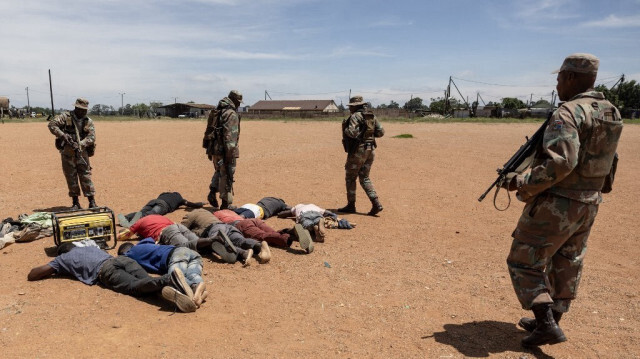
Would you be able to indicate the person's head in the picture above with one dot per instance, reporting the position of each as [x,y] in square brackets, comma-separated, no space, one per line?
[81,107]
[65,247]
[576,75]
[236,97]
[124,248]
[355,103]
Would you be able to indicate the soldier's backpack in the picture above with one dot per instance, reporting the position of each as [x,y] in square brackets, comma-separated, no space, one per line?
[368,128]
[209,132]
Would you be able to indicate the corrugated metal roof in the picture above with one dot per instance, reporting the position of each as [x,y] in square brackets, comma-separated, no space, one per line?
[203,106]
[298,105]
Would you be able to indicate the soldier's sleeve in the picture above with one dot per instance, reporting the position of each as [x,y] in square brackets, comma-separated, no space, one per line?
[353,126]
[90,139]
[55,124]
[230,132]
[379,132]
[560,147]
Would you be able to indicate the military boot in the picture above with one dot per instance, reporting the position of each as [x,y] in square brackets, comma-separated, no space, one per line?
[529,324]
[349,208]
[376,207]
[76,203]
[547,330]
[92,202]
[213,201]
[227,205]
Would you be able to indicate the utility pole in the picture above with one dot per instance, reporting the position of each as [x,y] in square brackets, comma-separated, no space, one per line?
[122,102]
[28,105]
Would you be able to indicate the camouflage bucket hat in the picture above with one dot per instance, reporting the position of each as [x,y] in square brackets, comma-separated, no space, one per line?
[356,101]
[581,63]
[82,103]
[235,95]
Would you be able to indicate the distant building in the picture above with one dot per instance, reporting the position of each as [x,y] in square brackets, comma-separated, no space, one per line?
[301,106]
[184,110]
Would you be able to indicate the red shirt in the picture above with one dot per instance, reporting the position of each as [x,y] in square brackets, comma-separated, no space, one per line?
[227,215]
[151,226]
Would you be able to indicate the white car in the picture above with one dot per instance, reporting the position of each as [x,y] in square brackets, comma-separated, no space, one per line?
[33,114]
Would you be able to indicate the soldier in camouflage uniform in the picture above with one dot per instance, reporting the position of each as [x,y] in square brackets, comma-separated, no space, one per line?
[75,139]
[221,140]
[359,132]
[562,192]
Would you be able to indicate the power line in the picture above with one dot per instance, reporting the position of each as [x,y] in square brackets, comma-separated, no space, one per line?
[494,84]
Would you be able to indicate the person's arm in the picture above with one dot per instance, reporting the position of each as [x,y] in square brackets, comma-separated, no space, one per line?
[353,126]
[193,204]
[41,272]
[285,214]
[560,147]
[379,131]
[230,133]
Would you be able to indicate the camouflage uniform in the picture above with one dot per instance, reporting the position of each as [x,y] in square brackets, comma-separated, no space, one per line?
[359,161]
[562,191]
[72,166]
[225,149]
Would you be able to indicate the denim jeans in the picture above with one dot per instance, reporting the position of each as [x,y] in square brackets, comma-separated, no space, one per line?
[124,275]
[189,262]
[180,236]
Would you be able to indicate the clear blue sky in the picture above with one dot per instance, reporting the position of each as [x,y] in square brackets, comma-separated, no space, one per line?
[305,49]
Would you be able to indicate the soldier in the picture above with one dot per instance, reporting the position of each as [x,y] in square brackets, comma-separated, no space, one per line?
[221,140]
[574,165]
[359,132]
[75,139]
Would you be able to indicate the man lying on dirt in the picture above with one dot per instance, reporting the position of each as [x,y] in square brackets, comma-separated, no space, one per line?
[121,274]
[265,208]
[255,228]
[166,202]
[316,219]
[164,259]
[163,231]
[205,224]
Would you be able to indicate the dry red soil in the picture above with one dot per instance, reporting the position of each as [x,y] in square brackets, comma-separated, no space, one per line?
[426,279]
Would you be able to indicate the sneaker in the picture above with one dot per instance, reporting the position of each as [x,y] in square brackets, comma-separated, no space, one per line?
[183,302]
[179,282]
[265,253]
[304,237]
[198,293]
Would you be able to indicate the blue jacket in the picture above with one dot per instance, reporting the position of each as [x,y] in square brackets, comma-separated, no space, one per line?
[151,256]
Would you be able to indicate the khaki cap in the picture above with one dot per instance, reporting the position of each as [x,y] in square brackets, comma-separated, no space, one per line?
[581,63]
[356,100]
[82,103]
[235,95]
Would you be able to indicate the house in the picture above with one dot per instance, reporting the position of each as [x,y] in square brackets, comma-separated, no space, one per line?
[184,110]
[299,106]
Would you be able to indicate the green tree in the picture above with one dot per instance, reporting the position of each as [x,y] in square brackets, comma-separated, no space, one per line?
[512,103]
[629,93]
[612,96]
[541,103]
[382,106]
[415,104]
[393,104]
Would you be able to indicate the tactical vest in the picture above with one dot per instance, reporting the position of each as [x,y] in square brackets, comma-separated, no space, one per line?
[70,129]
[368,128]
[601,129]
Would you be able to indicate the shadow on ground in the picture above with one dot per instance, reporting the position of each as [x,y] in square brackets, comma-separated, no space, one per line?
[480,339]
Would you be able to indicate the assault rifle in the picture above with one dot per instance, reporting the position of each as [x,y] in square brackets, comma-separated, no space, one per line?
[519,162]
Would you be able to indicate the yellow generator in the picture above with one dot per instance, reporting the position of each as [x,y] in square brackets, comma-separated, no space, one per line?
[96,223]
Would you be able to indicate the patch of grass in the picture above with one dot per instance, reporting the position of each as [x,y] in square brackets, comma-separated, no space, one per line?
[403,135]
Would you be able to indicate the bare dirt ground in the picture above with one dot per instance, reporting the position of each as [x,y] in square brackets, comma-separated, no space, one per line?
[427,279]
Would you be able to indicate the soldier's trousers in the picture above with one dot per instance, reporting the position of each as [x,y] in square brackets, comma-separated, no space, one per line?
[221,175]
[549,245]
[74,169]
[358,165]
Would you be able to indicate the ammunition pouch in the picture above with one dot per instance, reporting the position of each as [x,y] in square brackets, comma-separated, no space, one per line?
[350,145]
[607,187]
[59,142]
[91,150]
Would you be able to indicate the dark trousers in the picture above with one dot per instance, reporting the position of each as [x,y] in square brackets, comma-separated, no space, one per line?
[257,229]
[155,206]
[124,275]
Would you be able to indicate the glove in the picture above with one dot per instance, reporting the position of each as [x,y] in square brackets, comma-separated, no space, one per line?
[344,224]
